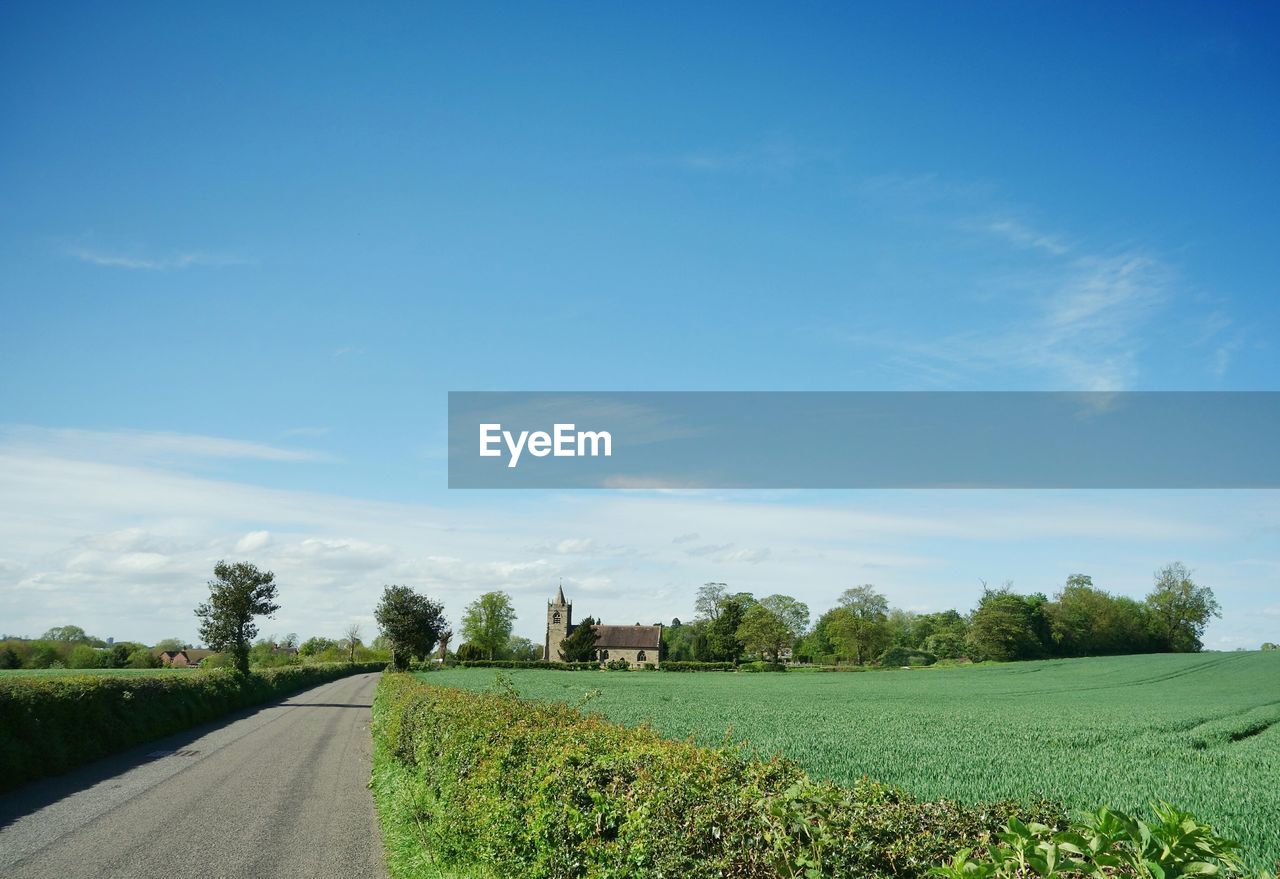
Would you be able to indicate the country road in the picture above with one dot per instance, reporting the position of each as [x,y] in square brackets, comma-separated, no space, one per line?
[275,791]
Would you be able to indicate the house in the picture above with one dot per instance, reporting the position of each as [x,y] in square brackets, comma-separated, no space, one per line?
[183,658]
[636,644]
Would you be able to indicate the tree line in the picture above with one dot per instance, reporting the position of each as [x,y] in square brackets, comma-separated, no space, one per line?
[1080,620]
[412,626]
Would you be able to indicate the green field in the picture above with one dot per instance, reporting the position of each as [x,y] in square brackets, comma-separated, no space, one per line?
[1201,731]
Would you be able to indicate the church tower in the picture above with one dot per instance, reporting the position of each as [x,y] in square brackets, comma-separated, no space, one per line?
[559,622]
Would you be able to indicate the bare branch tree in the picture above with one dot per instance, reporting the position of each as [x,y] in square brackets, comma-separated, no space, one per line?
[352,637]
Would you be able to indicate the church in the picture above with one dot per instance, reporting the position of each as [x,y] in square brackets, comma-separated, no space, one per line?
[636,644]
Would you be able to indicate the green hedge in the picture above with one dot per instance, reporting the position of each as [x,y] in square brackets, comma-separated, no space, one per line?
[527,663]
[489,784]
[51,724]
[698,666]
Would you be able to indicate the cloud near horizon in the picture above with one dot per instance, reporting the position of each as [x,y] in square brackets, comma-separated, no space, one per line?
[125,548]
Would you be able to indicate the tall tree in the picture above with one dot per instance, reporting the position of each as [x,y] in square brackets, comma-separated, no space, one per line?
[1180,608]
[722,632]
[765,632]
[580,644]
[857,637]
[858,627]
[1004,625]
[523,650]
[238,593]
[707,604]
[316,645]
[794,613]
[487,622]
[411,622]
[66,633]
[901,629]
[865,602]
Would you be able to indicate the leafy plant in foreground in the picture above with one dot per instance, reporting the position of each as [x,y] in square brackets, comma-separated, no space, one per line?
[1171,845]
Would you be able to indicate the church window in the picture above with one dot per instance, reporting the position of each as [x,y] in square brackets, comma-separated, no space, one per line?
[555,618]
[641,657]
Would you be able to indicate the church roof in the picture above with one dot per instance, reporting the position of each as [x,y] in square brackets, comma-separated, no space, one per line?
[648,637]
[560,596]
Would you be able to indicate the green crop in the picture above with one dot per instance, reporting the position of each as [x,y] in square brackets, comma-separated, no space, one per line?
[1198,730]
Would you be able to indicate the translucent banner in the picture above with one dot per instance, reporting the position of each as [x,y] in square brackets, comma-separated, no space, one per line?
[864,440]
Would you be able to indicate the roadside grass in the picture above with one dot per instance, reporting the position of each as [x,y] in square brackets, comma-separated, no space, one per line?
[405,810]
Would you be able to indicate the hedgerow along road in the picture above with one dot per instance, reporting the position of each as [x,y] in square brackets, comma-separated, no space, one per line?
[279,790]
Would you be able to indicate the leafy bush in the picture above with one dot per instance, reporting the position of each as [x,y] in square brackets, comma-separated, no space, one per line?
[468,652]
[1106,843]
[529,663]
[533,789]
[51,724]
[617,665]
[698,666]
[761,666]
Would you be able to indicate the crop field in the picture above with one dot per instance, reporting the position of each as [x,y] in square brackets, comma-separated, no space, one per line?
[1201,731]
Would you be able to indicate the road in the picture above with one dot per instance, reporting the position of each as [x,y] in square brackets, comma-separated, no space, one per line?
[280,790]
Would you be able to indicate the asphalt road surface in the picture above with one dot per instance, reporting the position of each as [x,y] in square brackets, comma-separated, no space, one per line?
[279,790]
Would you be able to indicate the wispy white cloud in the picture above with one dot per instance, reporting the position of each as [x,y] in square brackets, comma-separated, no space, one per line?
[1019,233]
[184,260]
[147,446]
[1046,310]
[1079,326]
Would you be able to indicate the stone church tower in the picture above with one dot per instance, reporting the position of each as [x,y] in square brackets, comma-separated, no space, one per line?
[559,623]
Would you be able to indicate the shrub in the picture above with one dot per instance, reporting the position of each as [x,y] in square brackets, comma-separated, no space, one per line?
[761,665]
[618,665]
[534,789]
[468,652]
[1105,843]
[84,656]
[51,724]
[698,666]
[144,658]
[529,663]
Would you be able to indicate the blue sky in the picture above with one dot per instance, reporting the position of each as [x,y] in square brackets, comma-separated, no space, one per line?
[248,250]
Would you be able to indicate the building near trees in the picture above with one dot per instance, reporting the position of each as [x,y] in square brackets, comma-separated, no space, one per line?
[636,644]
